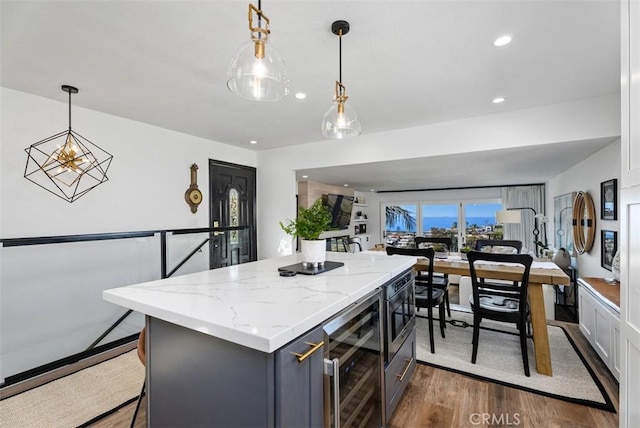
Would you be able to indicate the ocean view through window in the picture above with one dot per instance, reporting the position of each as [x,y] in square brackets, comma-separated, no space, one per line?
[403,222]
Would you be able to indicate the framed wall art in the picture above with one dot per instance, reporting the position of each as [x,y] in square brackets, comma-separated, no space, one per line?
[608,248]
[609,200]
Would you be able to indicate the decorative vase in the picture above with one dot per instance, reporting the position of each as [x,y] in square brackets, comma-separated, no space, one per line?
[615,266]
[562,259]
[463,256]
[314,252]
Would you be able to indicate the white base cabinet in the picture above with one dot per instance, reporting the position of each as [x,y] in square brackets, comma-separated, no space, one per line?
[600,324]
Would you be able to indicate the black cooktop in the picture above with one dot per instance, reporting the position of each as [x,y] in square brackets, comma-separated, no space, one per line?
[310,270]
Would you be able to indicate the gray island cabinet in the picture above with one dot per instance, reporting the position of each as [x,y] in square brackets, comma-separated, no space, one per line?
[197,380]
[224,346]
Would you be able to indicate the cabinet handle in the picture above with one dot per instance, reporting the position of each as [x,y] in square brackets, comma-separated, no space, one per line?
[314,348]
[406,369]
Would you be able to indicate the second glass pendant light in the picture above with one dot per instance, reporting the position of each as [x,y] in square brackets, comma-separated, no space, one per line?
[340,121]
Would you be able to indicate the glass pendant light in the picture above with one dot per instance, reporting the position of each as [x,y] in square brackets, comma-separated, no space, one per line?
[340,121]
[257,72]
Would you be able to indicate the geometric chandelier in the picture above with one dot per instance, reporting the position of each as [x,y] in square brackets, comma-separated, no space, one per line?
[67,164]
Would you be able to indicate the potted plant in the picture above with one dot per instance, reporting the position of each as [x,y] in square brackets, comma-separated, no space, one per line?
[463,251]
[308,226]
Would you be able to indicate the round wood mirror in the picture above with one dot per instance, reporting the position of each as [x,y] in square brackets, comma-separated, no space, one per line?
[584,222]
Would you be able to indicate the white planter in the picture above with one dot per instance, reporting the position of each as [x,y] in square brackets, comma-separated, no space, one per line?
[314,253]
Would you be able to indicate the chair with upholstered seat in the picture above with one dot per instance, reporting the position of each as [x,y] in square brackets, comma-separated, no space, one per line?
[426,295]
[500,301]
[440,280]
[142,355]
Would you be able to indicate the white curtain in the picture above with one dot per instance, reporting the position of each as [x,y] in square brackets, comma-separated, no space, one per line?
[530,199]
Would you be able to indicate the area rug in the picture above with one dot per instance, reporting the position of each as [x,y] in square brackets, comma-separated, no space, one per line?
[499,360]
[78,398]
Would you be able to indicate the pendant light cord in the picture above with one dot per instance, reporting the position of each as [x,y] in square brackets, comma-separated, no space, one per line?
[69,110]
[340,60]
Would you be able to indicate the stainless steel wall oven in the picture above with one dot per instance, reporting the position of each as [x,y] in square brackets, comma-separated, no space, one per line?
[399,312]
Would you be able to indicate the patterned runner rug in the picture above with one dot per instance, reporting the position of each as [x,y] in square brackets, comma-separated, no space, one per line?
[78,398]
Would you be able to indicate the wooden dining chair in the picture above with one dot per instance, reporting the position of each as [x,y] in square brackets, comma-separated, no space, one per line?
[500,301]
[440,280]
[426,295]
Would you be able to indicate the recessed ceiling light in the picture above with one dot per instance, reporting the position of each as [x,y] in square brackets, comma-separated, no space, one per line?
[305,176]
[498,100]
[346,185]
[253,142]
[301,95]
[372,190]
[503,40]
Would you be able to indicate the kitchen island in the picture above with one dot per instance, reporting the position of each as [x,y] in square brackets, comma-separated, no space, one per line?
[220,342]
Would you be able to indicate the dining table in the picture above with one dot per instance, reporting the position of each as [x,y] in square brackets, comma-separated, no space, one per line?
[542,272]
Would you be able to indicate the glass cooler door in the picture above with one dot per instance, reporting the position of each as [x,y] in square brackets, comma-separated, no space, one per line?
[353,365]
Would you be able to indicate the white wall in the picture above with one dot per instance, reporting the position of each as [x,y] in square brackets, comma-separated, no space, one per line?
[147,179]
[51,295]
[585,119]
[587,176]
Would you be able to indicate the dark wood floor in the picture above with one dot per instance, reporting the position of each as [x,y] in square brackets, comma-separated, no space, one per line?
[441,399]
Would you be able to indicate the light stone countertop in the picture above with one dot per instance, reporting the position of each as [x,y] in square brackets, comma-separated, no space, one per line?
[252,305]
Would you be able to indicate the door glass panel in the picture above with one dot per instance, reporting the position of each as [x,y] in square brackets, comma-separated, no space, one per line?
[233,215]
[480,222]
[400,224]
[441,221]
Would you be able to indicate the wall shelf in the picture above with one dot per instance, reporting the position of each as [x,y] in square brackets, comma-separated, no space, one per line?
[359,221]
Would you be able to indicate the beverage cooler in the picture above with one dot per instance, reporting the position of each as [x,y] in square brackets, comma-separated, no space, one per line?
[354,366]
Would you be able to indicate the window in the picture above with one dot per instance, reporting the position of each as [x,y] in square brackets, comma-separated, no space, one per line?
[480,222]
[400,224]
[439,221]
[462,221]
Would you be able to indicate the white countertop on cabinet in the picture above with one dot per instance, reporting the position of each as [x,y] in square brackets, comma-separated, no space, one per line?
[252,305]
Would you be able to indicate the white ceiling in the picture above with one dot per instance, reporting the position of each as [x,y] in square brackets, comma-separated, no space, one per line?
[405,64]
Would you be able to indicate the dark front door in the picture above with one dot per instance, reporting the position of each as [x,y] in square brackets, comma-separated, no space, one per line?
[232,192]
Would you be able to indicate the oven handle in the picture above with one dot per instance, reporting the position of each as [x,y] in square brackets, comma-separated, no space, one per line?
[332,368]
